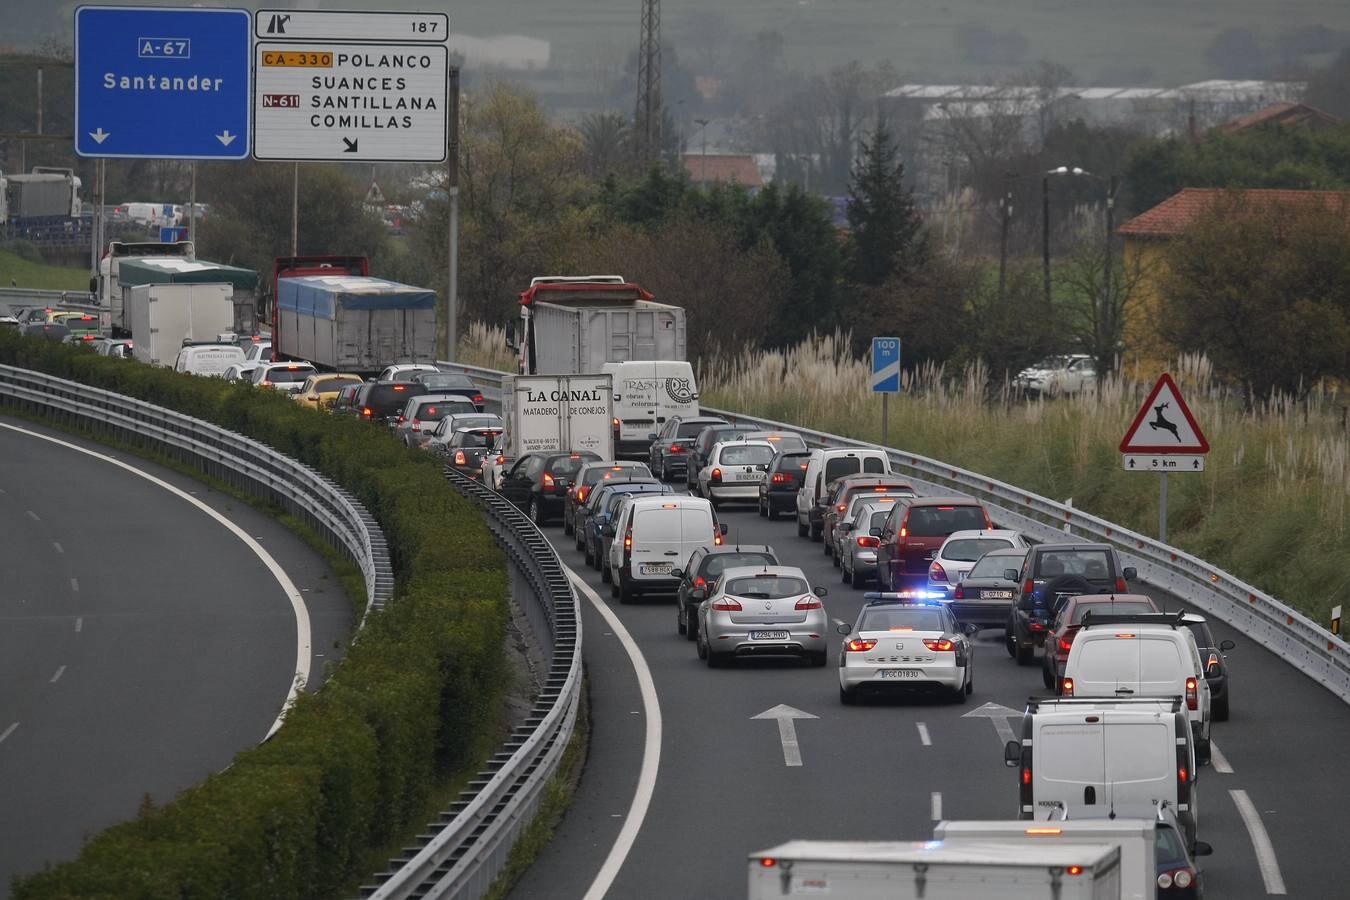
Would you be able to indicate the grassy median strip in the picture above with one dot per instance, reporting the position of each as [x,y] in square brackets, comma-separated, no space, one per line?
[409,707]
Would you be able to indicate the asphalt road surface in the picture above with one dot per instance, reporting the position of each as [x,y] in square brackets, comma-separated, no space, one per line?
[142,644]
[889,769]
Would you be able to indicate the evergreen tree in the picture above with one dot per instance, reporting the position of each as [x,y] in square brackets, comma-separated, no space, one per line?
[886,240]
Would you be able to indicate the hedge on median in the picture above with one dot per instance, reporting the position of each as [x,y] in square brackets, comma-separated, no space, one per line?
[354,764]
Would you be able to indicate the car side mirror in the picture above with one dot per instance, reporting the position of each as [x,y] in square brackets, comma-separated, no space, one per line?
[843,628]
[1225,646]
[844,527]
[820,592]
[1130,573]
[971,629]
[722,529]
[652,436]
[1010,574]
[875,532]
[607,530]
[677,573]
[699,593]
[1200,848]
[1012,754]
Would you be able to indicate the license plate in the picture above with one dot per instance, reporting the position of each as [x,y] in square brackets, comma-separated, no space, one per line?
[751,476]
[900,673]
[655,568]
[996,595]
[769,635]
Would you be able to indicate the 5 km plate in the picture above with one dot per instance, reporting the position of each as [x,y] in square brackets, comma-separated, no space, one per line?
[769,635]
[901,673]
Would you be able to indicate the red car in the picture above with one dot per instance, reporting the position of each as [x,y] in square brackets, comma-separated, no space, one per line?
[1069,619]
[914,532]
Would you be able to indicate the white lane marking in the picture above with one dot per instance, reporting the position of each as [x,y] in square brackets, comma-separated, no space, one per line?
[923,734]
[75,584]
[935,806]
[651,748]
[59,672]
[79,624]
[8,731]
[787,730]
[1218,760]
[56,545]
[303,634]
[997,714]
[1265,851]
[32,515]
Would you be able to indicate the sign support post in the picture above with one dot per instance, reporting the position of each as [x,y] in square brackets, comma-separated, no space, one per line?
[884,400]
[1162,507]
[452,192]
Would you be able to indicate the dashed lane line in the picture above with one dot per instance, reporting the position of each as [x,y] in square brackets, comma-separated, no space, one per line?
[923,734]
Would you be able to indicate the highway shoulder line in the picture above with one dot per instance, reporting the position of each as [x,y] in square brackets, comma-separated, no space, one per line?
[651,749]
[1265,851]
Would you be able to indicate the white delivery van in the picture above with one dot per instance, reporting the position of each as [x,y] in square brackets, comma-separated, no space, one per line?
[208,359]
[1098,752]
[935,870]
[1142,655]
[825,466]
[646,394]
[655,535]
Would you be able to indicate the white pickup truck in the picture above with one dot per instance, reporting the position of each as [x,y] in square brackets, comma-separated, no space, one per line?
[1057,375]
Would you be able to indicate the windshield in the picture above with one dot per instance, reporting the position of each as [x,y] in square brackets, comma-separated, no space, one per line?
[937,521]
[1085,563]
[748,455]
[971,549]
[766,587]
[902,620]
[993,566]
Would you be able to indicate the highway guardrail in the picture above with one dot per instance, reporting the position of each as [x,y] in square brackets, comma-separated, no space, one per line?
[1285,631]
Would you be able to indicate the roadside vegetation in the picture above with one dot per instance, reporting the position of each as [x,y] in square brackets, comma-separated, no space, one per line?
[22,266]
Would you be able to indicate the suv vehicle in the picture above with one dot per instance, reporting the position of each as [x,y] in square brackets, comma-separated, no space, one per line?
[1214,656]
[840,491]
[669,453]
[915,530]
[1050,573]
[379,401]
[538,482]
[704,566]
[419,418]
[702,447]
[1056,375]
[778,490]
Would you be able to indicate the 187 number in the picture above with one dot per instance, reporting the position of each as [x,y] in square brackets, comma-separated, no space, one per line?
[424,27]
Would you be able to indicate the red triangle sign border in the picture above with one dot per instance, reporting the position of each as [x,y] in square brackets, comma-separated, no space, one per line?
[1165,380]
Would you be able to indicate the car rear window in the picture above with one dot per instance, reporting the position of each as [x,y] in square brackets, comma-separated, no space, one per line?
[330,384]
[435,410]
[609,473]
[567,466]
[766,587]
[1203,637]
[840,466]
[690,429]
[447,383]
[858,501]
[1119,608]
[716,563]
[878,519]
[1084,563]
[993,566]
[749,455]
[484,438]
[936,521]
[902,620]
[1167,846]
[287,375]
[386,399]
[971,549]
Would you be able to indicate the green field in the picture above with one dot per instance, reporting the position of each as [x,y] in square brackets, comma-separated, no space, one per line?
[15,271]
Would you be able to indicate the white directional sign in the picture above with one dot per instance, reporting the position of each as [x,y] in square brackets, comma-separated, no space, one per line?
[1164,436]
[350,86]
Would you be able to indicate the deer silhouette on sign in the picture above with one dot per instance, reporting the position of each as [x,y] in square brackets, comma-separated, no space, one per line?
[1160,422]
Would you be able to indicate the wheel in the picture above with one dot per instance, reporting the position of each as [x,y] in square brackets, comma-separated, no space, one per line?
[827,547]
[691,626]
[567,524]
[815,532]
[623,592]
[1048,677]
[679,622]
[665,472]
[759,508]
[536,512]
[960,695]
[702,649]
[769,512]
[716,660]
[606,574]
[597,563]
[1010,641]
[1026,656]
[819,659]
[580,541]
[845,575]
[1221,709]
[848,698]
[802,530]
[970,685]
[590,557]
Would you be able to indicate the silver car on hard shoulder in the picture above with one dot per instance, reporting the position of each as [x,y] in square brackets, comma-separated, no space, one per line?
[858,542]
[903,644]
[762,611]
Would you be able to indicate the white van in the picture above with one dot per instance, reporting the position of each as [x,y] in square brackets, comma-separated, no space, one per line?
[1144,655]
[825,466]
[208,359]
[653,535]
[1100,752]
[646,394]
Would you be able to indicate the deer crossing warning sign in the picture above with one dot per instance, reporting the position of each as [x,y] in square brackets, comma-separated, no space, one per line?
[1164,436]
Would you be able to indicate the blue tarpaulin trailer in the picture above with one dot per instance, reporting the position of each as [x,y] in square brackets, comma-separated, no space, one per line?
[354,323]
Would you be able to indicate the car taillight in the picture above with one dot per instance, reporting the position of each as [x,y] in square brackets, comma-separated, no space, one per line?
[841,507]
[477,398]
[1121,587]
[1036,626]
[628,539]
[700,581]
[959,593]
[810,601]
[868,540]
[264,383]
[716,476]
[717,536]
[1066,646]
[581,493]
[1213,664]
[859,645]
[400,418]
[365,411]
[1192,693]
[416,422]
[904,531]
[1028,586]
[1066,686]
[778,478]
[937,573]
[616,424]
[940,645]
[1183,776]
[549,483]
[460,458]
[727,604]
[676,448]
[1181,878]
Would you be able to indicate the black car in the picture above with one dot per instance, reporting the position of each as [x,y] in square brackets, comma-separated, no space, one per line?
[467,446]
[778,490]
[702,569]
[538,482]
[1213,655]
[1049,573]
[450,383]
[379,401]
[986,595]
[701,449]
[589,477]
[669,454]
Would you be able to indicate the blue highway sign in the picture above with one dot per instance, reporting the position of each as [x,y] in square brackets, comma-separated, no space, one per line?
[885,365]
[163,83]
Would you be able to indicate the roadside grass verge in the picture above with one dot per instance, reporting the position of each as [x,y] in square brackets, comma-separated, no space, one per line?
[34,273]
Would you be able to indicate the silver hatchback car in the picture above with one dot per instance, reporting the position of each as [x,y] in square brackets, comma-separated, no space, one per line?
[762,611]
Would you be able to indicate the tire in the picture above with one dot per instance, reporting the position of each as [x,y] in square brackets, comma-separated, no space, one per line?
[759,508]
[769,512]
[961,694]
[1026,656]
[1065,584]
[970,684]
[580,541]
[691,626]
[536,512]
[818,660]
[815,532]
[826,547]
[679,623]
[1048,677]
[606,574]
[848,698]
[1010,640]
[1221,710]
[624,593]
[664,474]
[702,649]
[590,557]
[567,525]
[717,660]
[845,575]
[802,530]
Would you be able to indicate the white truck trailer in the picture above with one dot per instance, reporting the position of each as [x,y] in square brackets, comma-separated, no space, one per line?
[162,316]
[553,413]
[936,870]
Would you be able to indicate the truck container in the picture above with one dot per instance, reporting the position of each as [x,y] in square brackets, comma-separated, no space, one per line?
[162,316]
[107,286]
[1134,837]
[353,323]
[183,270]
[558,412]
[936,870]
[572,326]
[43,194]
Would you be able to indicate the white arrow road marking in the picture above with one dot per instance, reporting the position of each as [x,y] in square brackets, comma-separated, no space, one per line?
[7,732]
[1218,760]
[100,136]
[787,730]
[1265,851]
[226,138]
[57,677]
[999,715]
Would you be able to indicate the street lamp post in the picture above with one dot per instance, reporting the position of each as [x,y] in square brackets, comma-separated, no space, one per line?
[703,156]
[1005,209]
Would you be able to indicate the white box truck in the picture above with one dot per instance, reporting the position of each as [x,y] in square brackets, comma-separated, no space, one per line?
[573,325]
[936,870]
[162,316]
[553,412]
